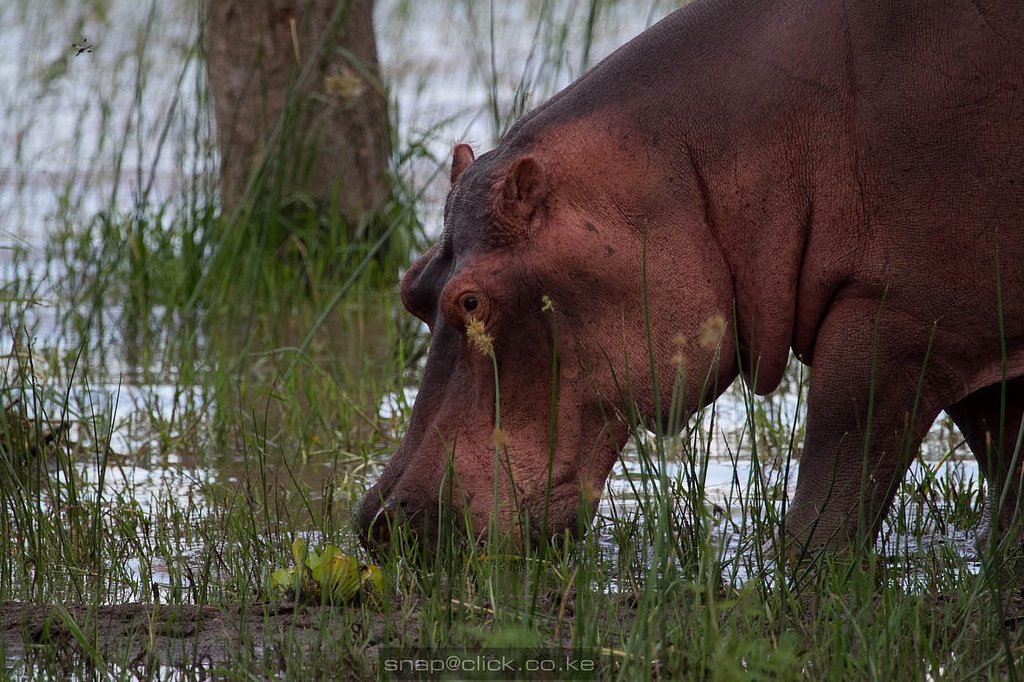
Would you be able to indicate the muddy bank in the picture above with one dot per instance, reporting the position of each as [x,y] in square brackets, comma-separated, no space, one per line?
[272,639]
[145,639]
[265,639]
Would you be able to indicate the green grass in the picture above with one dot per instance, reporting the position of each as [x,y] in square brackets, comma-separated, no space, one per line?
[244,362]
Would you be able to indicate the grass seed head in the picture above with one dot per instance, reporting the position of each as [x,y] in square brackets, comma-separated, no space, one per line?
[498,439]
[480,339]
[712,332]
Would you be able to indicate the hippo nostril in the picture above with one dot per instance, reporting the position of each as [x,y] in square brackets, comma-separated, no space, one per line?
[377,534]
[376,517]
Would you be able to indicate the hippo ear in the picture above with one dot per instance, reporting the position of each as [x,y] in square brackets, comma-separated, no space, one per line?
[522,191]
[462,156]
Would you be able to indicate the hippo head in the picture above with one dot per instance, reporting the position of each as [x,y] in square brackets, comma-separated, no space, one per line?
[547,342]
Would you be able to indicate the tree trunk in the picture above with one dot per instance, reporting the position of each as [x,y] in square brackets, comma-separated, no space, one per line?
[332,146]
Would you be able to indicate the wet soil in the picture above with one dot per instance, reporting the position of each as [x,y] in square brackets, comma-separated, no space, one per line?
[207,641]
[143,637]
[143,640]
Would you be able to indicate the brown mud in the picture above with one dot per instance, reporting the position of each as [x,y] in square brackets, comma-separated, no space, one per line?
[139,638]
[209,641]
[343,642]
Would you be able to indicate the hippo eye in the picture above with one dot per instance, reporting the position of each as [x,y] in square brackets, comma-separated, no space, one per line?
[468,305]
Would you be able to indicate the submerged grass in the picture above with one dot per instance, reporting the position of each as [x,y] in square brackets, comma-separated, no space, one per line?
[205,394]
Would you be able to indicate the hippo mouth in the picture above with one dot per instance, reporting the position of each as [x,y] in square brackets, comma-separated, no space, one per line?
[564,507]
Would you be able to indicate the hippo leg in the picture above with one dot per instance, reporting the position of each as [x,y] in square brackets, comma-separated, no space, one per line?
[862,426]
[978,418]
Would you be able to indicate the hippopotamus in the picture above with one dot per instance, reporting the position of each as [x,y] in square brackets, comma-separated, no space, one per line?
[843,180]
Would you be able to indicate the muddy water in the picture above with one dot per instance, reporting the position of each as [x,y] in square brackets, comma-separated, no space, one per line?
[76,138]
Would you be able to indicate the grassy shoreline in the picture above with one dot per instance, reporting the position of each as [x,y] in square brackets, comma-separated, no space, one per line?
[169,426]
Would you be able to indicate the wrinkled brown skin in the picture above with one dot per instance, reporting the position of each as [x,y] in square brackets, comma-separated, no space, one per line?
[842,179]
